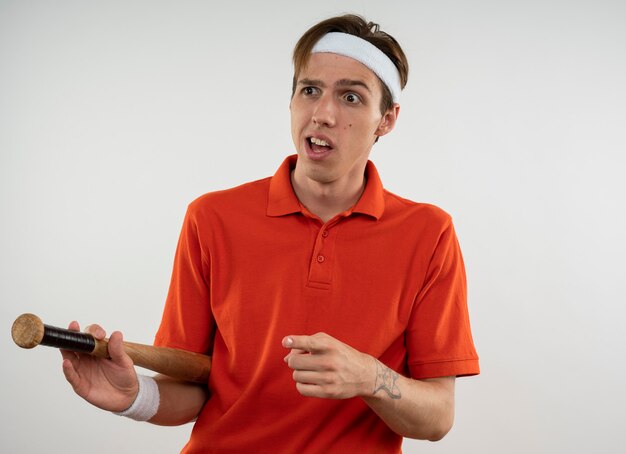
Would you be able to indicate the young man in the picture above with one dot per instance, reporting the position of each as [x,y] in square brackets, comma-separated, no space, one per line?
[335,312]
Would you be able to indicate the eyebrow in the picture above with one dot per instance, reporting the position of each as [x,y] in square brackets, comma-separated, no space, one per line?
[339,83]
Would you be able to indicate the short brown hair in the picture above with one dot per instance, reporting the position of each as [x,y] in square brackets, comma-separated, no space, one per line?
[357,26]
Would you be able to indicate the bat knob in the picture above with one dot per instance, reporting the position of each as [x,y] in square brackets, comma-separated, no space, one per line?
[27,331]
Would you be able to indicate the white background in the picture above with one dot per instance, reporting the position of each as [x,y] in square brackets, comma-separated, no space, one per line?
[116,114]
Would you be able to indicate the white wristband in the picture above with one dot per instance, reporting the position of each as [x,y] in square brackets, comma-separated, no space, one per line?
[147,401]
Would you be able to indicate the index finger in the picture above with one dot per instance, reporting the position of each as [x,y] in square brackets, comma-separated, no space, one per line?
[96,331]
[304,343]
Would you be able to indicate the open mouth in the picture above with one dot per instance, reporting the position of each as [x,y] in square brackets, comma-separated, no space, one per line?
[318,145]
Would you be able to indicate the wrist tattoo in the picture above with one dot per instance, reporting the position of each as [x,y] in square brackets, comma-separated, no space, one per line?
[386,381]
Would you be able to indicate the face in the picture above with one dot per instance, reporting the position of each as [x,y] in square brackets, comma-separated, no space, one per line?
[336,118]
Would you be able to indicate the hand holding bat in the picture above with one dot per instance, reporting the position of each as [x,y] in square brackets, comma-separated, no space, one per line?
[110,384]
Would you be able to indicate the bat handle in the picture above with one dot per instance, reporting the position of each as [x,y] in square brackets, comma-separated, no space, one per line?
[29,331]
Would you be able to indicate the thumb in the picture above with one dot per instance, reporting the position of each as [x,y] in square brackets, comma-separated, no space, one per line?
[117,352]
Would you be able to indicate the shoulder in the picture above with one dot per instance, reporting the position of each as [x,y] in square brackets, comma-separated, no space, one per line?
[236,198]
[415,212]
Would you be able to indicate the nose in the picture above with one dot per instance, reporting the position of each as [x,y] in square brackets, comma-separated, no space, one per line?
[325,112]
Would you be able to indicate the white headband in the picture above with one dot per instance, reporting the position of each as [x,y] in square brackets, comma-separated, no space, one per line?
[364,52]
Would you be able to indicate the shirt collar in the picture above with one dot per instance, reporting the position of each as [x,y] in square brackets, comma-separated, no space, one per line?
[283,201]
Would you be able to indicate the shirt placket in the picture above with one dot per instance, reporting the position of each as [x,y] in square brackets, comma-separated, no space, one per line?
[323,257]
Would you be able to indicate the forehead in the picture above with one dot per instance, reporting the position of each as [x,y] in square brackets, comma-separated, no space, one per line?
[333,67]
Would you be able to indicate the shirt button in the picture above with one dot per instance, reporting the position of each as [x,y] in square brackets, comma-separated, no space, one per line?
[321,258]
[325,233]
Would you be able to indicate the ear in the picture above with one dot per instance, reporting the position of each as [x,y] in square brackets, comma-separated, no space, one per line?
[388,121]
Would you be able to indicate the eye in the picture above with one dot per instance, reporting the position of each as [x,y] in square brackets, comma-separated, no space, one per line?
[310,91]
[352,98]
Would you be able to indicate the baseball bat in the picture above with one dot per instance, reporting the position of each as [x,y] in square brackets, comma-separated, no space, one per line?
[28,331]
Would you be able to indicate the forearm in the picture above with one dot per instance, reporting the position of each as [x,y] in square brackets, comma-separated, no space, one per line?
[180,401]
[422,409]
[324,367]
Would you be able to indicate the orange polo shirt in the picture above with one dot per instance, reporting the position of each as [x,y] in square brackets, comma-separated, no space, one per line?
[253,265]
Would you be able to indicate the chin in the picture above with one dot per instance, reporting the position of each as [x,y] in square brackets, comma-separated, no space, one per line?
[319,176]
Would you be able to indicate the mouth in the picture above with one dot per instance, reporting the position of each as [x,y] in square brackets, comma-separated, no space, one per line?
[318,147]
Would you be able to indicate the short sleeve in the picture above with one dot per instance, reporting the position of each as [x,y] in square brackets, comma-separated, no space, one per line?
[187,322]
[439,339]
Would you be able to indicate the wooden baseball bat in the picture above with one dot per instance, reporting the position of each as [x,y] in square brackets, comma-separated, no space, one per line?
[28,331]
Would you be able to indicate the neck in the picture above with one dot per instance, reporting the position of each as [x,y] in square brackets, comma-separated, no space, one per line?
[327,200]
